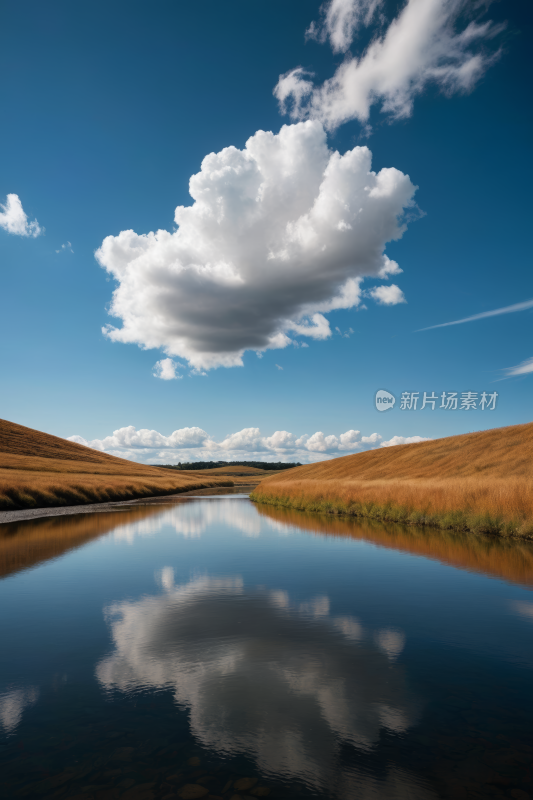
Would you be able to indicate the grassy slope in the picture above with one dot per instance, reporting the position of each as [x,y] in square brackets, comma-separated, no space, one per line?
[238,471]
[241,476]
[39,470]
[479,481]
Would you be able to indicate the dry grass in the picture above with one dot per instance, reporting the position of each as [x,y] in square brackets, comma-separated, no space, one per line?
[241,476]
[512,561]
[237,471]
[479,481]
[38,470]
[19,440]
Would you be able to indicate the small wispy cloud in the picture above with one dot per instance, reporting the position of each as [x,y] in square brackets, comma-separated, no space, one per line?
[345,334]
[278,366]
[441,43]
[494,313]
[65,248]
[13,219]
[340,21]
[523,368]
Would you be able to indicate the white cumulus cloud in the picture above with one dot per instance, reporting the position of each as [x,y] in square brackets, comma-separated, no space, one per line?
[166,370]
[13,218]
[129,438]
[403,440]
[279,234]
[388,295]
[248,444]
[430,42]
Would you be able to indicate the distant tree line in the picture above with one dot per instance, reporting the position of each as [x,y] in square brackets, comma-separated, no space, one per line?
[214,464]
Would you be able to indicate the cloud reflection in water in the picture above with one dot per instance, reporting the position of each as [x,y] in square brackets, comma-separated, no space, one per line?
[285,683]
[192,518]
[12,705]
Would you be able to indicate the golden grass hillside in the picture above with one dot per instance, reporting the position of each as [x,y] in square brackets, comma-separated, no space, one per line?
[39,470]
[238,471]
[478,481]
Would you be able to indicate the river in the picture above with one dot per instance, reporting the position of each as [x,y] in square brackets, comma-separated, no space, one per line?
[210,647]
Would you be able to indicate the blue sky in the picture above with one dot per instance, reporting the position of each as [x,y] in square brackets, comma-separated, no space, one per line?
[110,108]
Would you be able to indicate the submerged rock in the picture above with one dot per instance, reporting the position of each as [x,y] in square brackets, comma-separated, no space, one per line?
[243,784]
[192,791]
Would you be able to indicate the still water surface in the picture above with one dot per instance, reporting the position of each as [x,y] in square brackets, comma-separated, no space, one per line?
[243,650]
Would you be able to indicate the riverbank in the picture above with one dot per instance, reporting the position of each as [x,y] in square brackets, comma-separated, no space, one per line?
[480,482]
[22,515]
[38,470]
[449,520]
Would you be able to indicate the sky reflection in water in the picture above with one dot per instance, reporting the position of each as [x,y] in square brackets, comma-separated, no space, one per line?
[305,644]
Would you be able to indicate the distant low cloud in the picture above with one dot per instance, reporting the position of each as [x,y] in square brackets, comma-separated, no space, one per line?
[195,444]
[430,42]
[166,370]
[279,234]
[403,440]
[14,220]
